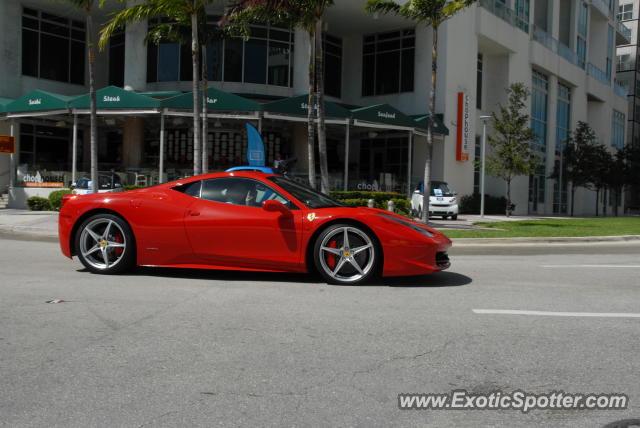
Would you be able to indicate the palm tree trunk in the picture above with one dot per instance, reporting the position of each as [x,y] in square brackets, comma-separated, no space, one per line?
[311,129]
[195,56]
[431,113]
[92,106]
[597,200]
[205,110]
[573,197]
[508,209]
[322,135]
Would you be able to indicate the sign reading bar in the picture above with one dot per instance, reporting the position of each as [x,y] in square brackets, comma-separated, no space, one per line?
[7,144]
[464,131]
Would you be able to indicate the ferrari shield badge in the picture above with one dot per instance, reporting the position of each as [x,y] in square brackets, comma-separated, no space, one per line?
[311,216]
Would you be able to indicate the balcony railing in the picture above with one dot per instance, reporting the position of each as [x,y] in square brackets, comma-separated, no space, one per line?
[624,30]
[544,38]
[505,13]
[619,89]
[598,74]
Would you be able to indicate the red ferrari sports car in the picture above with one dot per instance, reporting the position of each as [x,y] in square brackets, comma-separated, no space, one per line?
[245,221]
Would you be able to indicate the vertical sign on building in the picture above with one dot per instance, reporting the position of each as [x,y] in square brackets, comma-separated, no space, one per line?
[463,128]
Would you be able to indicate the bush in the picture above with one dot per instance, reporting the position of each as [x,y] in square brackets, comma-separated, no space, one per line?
[470,204]
[36,203]
[55,199]
[131,187]
[376,196]
[402,204]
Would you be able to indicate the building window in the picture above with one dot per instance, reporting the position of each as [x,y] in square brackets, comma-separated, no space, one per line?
[52,47]
[539,106]
[480,66]
[625,62]
[625,12]
[581,42]
[610,51]
[563,129]
[332,65]
[265,58]
[388,62]
[44,148]
[522,14]
[116,59]
[617,131]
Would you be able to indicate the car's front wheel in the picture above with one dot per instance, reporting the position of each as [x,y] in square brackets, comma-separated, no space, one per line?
[105,244]
[346,254]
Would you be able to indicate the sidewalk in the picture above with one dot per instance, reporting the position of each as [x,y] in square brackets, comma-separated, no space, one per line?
[40,225]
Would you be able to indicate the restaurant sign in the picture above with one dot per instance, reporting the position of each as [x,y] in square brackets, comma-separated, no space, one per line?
[7,144]
[463,135]
[38,180]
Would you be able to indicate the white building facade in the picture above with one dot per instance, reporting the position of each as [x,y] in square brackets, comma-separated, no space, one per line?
[563,50]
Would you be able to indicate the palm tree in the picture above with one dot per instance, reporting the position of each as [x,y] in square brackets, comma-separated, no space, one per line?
[181,11]
[432,13]
[309,16]
[88,6]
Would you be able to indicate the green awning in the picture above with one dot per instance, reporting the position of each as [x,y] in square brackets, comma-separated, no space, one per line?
[161,94]
[38,101]
[217,100]
[299,106]
[3,104]
[422,121]
[114,98]
[382,114]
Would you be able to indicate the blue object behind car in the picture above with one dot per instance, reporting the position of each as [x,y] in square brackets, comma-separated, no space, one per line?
[264,169]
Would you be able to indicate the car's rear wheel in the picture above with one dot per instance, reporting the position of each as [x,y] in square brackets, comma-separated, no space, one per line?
[454,217]
[105,244]
[346,254]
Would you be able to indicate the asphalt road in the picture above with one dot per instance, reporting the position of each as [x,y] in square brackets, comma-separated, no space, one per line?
[205,348]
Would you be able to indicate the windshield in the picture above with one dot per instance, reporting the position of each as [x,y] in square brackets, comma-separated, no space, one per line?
[439,188]
[311,198]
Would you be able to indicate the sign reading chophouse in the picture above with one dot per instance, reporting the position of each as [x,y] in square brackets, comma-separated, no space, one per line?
[464,128]
[7,144]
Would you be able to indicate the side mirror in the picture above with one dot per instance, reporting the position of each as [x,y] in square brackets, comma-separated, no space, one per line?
[274,206]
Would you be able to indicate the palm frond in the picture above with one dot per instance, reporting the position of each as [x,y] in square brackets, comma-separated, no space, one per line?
[382,6]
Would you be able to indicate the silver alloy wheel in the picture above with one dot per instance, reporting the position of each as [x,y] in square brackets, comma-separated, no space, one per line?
[351,263]
[99,244]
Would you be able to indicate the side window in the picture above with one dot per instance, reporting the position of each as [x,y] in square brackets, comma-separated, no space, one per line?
[191,189]
[239,191]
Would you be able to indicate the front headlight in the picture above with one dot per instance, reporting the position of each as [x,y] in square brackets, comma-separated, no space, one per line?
[452,200]
[410,225]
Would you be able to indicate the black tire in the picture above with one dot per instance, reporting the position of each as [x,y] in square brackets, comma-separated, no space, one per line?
[454,217]
[444,217]
[359,261]
[92,246]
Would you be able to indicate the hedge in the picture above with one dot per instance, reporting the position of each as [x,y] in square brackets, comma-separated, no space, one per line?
[36,203]
[132,187]
[381,199]
[55,199]
[470,204]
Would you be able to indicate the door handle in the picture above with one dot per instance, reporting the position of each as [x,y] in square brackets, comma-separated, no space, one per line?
[194,213]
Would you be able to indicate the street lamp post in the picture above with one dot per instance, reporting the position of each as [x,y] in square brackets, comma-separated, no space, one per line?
[482,162]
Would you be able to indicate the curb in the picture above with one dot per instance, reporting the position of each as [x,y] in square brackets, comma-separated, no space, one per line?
[477,242]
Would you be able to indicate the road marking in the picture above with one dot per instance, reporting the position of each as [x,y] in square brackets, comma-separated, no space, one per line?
[556,314]
[591,266]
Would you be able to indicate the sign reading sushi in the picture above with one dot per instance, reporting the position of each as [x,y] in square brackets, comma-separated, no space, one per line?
[463,136]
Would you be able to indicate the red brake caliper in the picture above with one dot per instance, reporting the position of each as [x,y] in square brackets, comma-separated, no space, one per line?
[119,250]
[331,258]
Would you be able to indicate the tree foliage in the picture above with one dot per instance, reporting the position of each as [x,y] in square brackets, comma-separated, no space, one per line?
[513,153]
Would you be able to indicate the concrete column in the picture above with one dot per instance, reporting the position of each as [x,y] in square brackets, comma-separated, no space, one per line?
[299,146]
[11,47]
[301,63]
[554,19]
[132,142]
[135,54]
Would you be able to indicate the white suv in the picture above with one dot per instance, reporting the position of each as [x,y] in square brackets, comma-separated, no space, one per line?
[442,201]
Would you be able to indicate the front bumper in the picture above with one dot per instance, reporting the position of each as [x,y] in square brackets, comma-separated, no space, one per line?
[443,210]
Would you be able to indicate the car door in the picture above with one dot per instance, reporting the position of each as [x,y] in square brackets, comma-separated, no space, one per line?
[227,226]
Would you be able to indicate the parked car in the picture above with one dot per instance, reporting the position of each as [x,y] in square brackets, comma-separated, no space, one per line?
[245,220]
[442,201]
[107,182]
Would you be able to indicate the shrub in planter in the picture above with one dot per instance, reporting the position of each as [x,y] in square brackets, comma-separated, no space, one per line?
[378,197]
[36,203]
[131,187]
[55,199]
